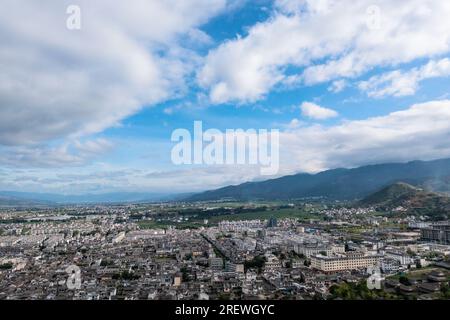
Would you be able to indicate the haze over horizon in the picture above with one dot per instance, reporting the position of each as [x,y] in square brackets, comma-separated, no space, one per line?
[144,195]
[92,111]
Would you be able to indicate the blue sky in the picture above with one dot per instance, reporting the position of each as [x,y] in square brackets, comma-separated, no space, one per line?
[93,110]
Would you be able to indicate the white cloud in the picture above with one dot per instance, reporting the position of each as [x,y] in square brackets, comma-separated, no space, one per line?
[338,85]
[295,123]
[67,154]
[313,111]
[324,40]
[421,132]
[57,83]
[397,83]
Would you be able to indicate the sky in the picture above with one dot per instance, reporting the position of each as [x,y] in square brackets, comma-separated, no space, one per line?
[92,109]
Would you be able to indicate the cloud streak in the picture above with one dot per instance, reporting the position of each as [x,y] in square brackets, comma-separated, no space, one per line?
[399,84]
[314,111]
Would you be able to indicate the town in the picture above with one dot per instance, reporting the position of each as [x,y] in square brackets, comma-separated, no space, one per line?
[221,250]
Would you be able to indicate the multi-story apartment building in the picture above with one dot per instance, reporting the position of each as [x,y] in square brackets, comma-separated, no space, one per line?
[438,233]
[239,226]
[216,263]
[400,256]
[312,250]
[272,262]
[344,262]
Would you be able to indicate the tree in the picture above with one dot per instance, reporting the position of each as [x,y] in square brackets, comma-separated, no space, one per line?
[445,291]
[351,291]
[404,280]
[184,274]
[6,266]
[256,263]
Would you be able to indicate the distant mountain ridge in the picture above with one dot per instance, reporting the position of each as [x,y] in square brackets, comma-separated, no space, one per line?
[10,201]
[336,184]
[12,198]
[339,184]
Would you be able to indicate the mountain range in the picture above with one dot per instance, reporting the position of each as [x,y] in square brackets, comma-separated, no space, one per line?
[12,201]
[14,198]
[339,184]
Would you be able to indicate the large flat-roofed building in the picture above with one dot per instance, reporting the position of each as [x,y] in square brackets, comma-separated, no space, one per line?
[400,256]
[344,262]
[216,263]
[438,233]
[239,226]
[312,250]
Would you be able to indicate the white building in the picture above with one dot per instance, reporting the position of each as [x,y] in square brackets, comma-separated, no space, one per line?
[400,256]
[313,250]
[272,262]
[351,261]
